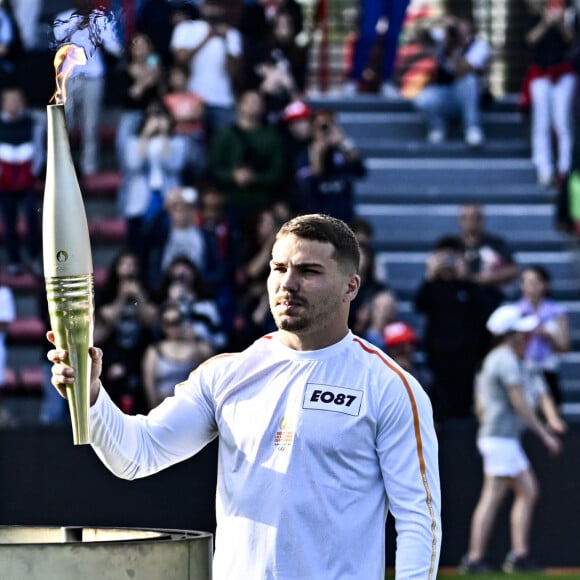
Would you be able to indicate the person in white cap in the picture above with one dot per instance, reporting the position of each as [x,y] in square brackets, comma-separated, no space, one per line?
[507,392]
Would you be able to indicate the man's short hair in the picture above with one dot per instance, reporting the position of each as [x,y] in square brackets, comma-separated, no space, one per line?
[325,228]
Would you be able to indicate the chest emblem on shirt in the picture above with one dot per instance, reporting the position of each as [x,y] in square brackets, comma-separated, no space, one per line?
[332,398]
[284,436]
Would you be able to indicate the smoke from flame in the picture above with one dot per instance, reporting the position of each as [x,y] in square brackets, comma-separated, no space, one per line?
[76,38]
[66,58]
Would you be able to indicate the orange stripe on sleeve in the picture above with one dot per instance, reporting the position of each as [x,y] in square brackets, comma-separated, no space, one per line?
[419,441]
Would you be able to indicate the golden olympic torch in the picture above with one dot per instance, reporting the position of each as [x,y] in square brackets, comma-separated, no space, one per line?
[68,265]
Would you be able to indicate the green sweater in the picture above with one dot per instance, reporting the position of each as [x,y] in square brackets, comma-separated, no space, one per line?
[260,149]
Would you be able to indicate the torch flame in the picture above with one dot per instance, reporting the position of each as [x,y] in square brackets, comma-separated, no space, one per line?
[66,58]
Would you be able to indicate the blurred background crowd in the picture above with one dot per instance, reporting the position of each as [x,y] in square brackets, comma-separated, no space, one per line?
[216,142]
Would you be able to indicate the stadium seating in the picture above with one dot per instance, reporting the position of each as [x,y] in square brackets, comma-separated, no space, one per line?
[411,196]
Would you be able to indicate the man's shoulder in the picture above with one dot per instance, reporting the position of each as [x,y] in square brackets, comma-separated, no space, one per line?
[489,237]
[187,25]
[187,31]
[503,358]
[256,348]
[225,367]
[493,241]
[265,134]
[385,379]
[372,356]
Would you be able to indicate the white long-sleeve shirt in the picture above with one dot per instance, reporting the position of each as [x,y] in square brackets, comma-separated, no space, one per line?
[209,77]
[314,447]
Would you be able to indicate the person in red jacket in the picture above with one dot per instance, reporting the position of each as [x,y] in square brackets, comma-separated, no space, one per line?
[21,158]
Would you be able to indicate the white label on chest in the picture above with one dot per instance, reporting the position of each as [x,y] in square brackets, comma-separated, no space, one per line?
[331,398]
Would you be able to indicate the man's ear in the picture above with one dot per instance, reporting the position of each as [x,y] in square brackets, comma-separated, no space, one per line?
[352,288]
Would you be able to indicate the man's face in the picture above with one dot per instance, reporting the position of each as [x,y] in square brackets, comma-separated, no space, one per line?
[300,129]
[519,341]
[309,294]
[12,103]
[180,214]
[471,220]
[212,12]
[251,104]
[533,287]
[212,206]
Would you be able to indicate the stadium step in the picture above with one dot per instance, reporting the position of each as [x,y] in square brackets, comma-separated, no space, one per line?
[421,149]
[362,103]
[411,125]
[442,173]
[25,381]
[418,226]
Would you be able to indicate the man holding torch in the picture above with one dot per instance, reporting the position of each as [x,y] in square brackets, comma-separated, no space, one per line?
[320,432]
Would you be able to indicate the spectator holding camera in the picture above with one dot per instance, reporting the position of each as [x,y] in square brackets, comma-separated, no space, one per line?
[490,260]
[212,50]
[141,79]
[334,163]
[184,285]
[125,318]
[277,86]
[458,85]
[455,335]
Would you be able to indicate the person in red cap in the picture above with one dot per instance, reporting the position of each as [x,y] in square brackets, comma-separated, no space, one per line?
[297,134]
[296,111]
[400,342]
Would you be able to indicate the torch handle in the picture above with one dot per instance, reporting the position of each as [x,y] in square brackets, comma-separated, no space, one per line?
[71,311]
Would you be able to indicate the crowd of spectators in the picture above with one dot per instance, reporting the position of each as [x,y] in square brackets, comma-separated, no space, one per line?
[217,145]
